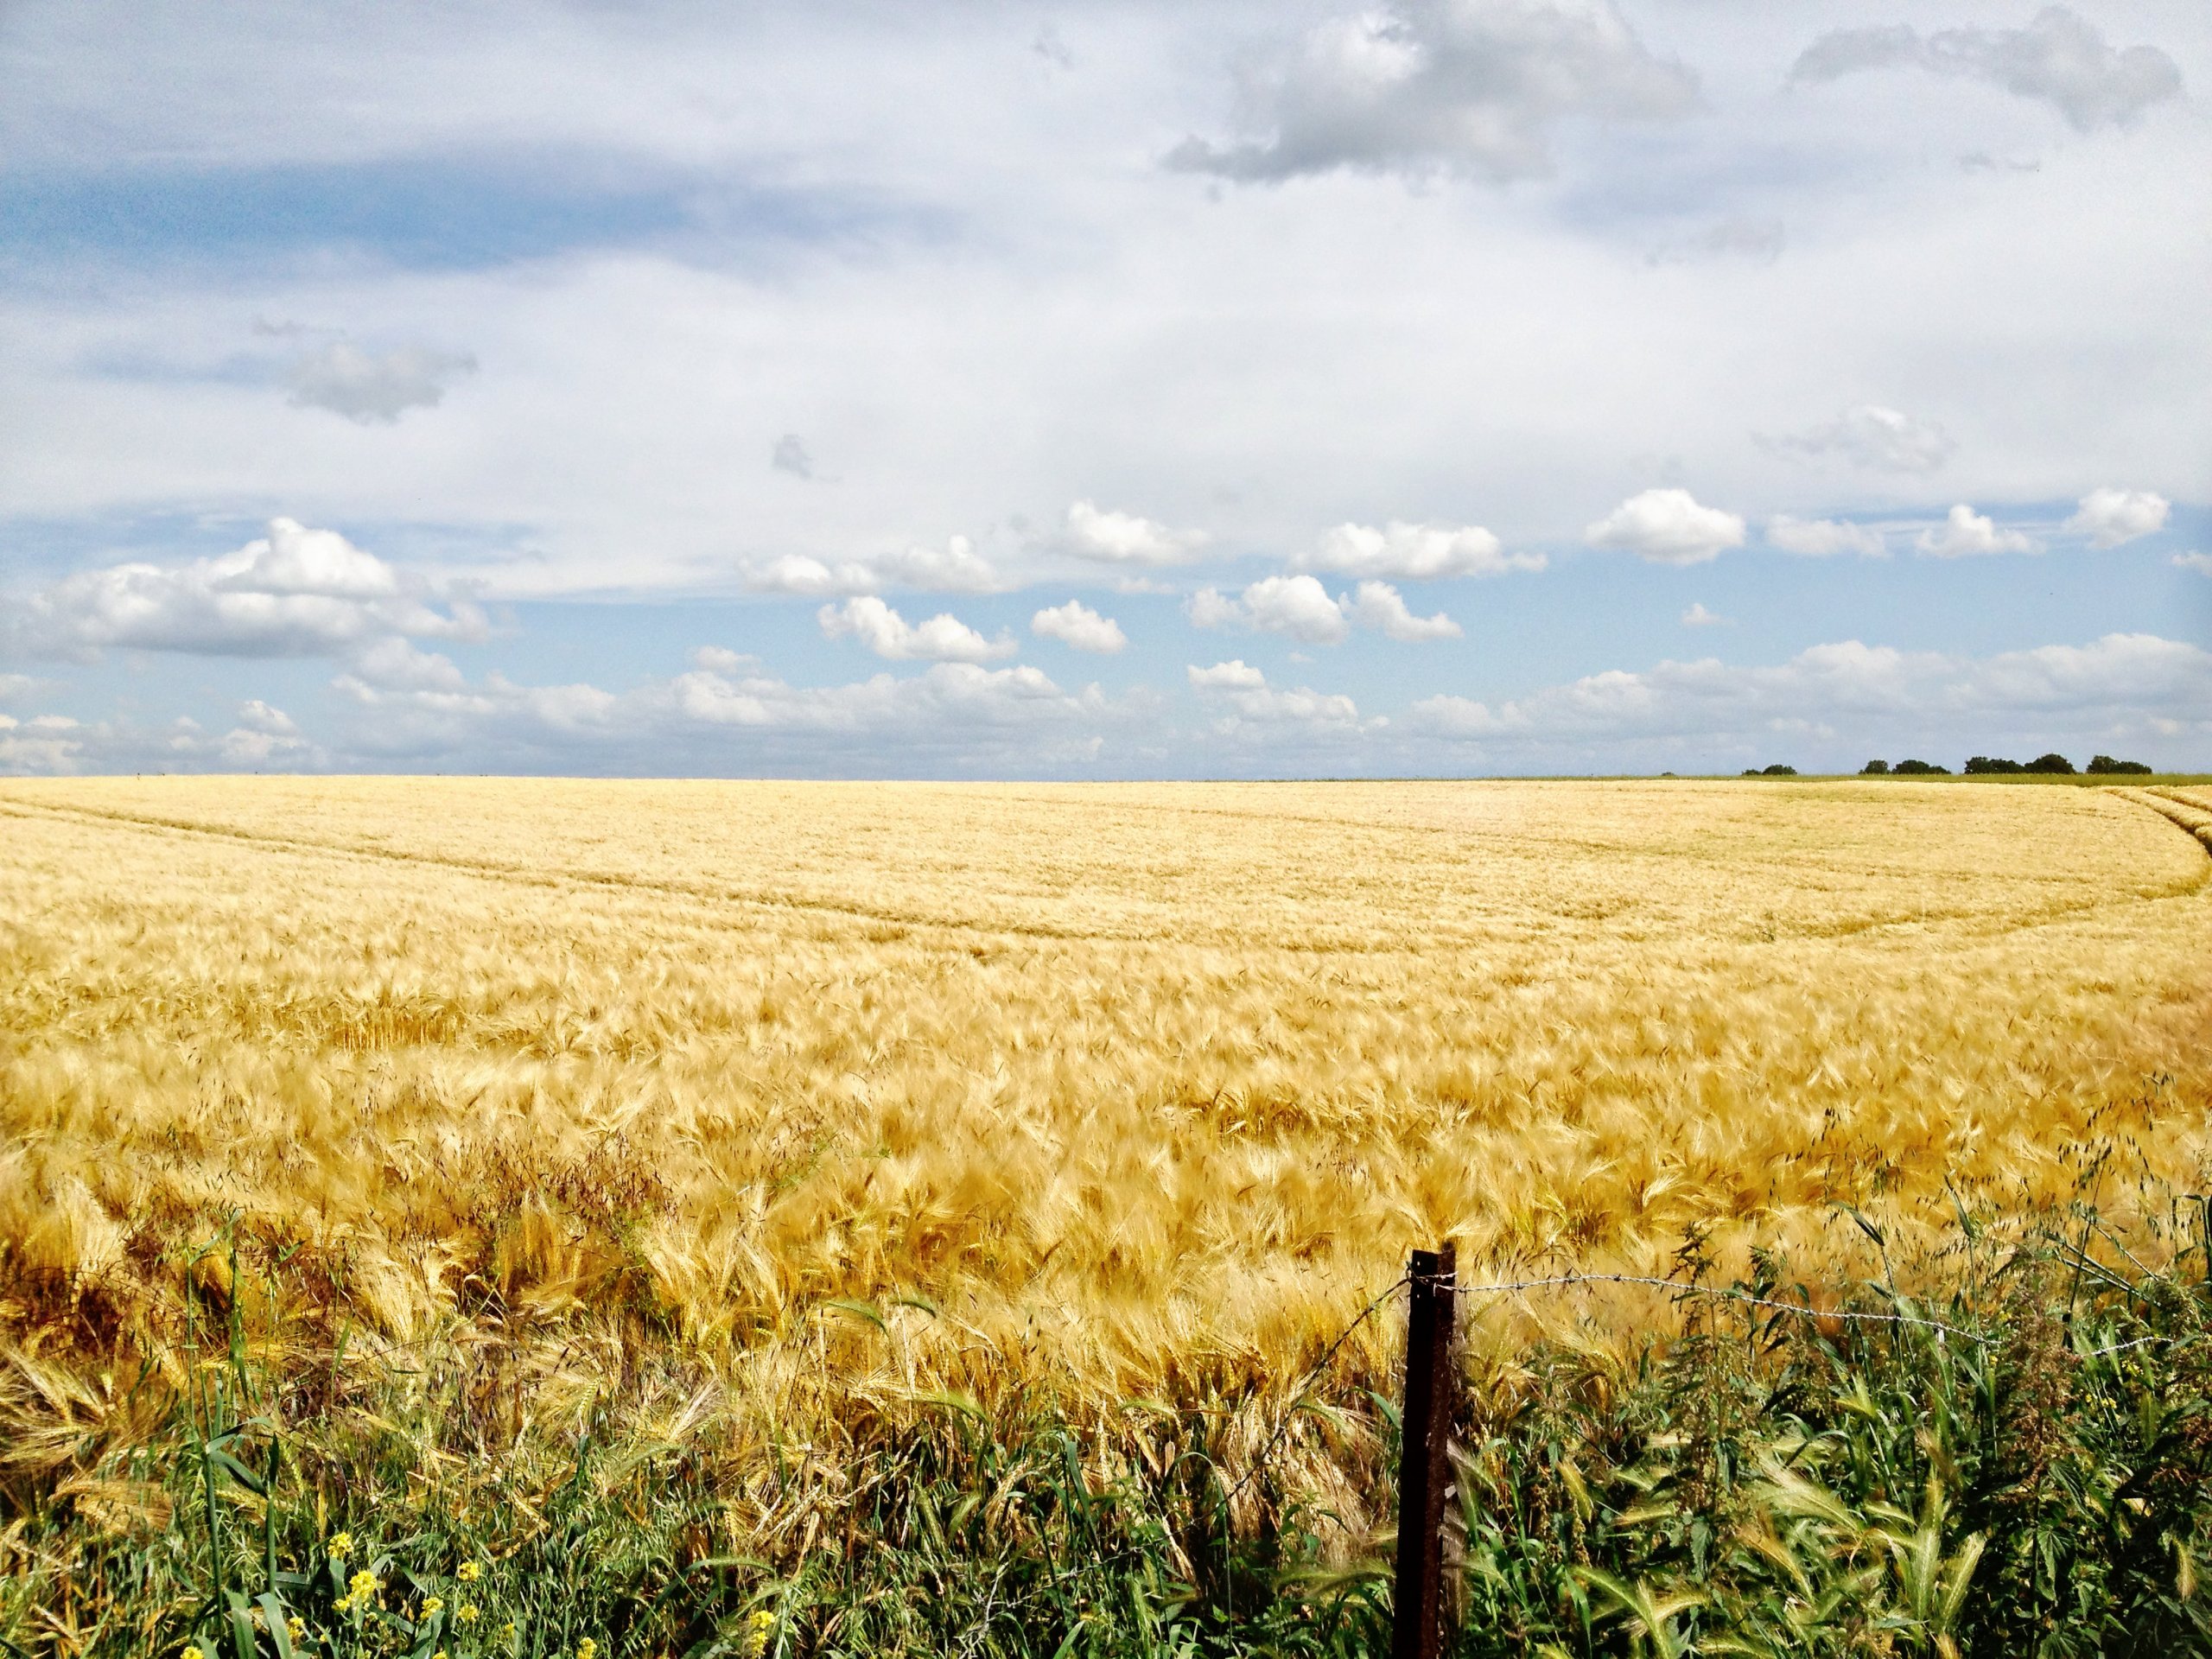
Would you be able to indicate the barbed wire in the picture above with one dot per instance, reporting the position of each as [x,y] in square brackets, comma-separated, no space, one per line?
[1801,1310]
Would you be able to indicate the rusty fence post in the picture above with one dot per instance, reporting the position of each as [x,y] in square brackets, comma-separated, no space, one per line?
[1424,1472]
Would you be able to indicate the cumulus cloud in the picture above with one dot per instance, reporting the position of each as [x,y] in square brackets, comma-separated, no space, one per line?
[2059,59]
[808,577]
[1235,675]
[264,737]
[1822,538]
[38,746]
[1076,624]
[726,713]
[1878,438]
[255,716]
[296,592]
[1667,526]
[1378,605]
[1967,534]
[955,568]
[1415,552]
[1299,607]
[372,388]
[790,455]
[1124,538]
[399,665]
[1246,692]
[720,659]
[942,639]
[2195,562]
[1697,617]
[1470,87]
[2121,674]
[2108,517]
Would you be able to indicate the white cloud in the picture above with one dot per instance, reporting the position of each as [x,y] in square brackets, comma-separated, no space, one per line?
[395,664]
[955,568]
[808,577]
[1298,605]
[296,592]
[1820,538]
[942,639]
[720,659]
[1124,538]
[2058,59]
[2108,517]
[2130,674]
[1378,605]
[1235,675]
[255,715]
[247,744]
[1472,87]
[375,387]
[1965,534]
[2195,562]
[1697,617]
[1667,526]
[1415,552]
[1246,692]
[729,715]
[1076,624]
[1878,438]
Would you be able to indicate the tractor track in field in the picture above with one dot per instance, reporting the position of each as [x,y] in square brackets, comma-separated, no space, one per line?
[2171,804]
[2175,808]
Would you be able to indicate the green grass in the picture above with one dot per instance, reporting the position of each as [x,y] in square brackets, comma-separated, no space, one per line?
[2036,1479]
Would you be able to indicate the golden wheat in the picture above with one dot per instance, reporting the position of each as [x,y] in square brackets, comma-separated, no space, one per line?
[1119,1090]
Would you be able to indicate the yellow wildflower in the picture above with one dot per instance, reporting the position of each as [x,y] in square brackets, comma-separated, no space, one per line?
[362,1585]
[466,1614]
[507,1631]
[341,1544]
[759,1627]
[431,1605]
[586,1649]
[191,1652]
[296,1627]
[468,1572]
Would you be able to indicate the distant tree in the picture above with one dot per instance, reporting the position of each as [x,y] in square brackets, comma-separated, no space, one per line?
[1921,769]
[2053,762]
[1779,771]
[1981,763]
[2106,764]
[1875,769]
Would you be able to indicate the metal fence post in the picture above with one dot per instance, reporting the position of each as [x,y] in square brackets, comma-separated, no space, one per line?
[1424,1472]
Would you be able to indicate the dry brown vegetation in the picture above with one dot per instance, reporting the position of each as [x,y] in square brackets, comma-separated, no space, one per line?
[1138,1084]
[1114,1091]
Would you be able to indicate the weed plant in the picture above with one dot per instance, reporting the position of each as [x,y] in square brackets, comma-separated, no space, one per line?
[2021,1465]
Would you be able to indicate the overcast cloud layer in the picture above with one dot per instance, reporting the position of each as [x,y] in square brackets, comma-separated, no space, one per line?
[1103,390]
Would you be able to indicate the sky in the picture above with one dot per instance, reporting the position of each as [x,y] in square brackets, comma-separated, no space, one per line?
[1104,388]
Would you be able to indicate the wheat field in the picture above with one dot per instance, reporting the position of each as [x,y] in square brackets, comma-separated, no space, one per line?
[829,1099]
